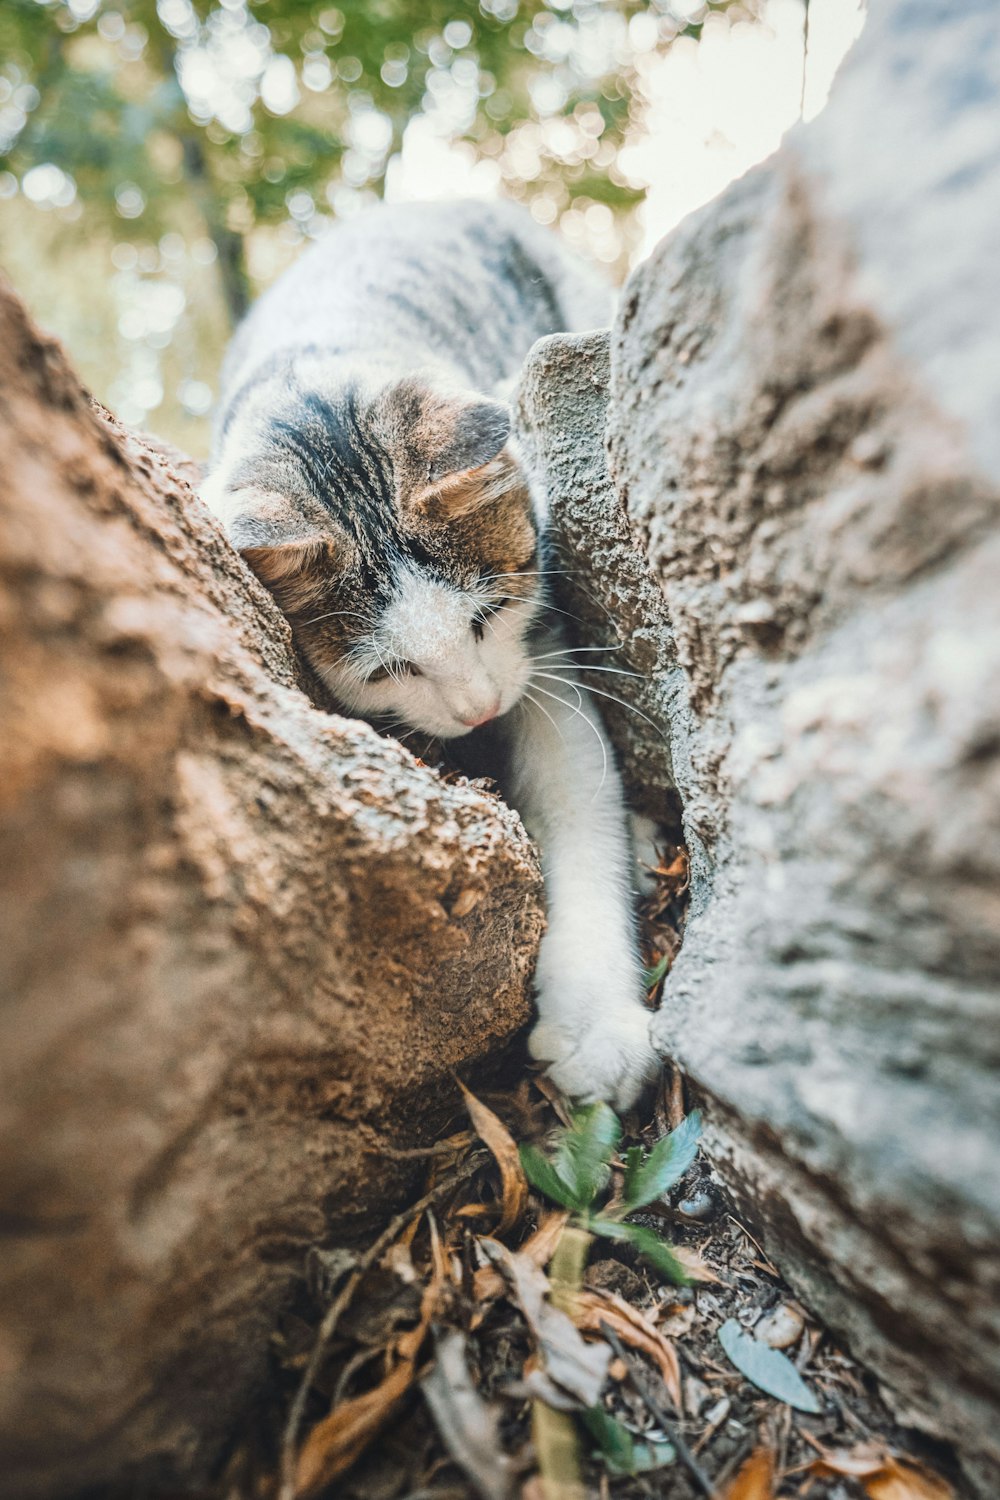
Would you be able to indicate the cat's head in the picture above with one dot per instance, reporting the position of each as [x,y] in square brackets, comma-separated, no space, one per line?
[394,527]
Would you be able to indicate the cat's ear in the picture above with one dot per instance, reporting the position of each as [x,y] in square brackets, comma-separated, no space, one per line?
[464,434]
[465,467]
[289,554]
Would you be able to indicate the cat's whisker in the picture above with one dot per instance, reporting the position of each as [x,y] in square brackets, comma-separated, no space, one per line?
[386,666]
[525,693]
[554,573]
[600,738]
[538,603]
[621,702]
[335,613]
[585,667]
[523,573]
[573,651]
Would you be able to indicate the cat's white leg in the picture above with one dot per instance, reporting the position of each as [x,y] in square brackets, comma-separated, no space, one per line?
[593,1028]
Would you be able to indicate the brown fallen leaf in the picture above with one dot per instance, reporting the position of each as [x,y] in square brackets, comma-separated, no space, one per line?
[882,1475]
[335,1443]
[590,1309]
[694,1266]
[539,1248]
[858,1462]
[754,1479]
[494,1134]
[906,1481]
[339,1439]
[676,1318]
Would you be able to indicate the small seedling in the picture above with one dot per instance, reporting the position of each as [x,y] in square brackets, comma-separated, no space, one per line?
[577,1174]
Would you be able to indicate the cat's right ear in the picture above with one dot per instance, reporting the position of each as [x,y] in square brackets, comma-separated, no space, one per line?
[290,556]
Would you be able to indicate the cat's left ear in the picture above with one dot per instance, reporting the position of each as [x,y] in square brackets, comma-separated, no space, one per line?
[464,434]
[460,453]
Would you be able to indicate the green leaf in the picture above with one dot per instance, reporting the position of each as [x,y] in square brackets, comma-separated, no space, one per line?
[633,1161]
[652,977]
[768,1369]
[585,1151]
[622,1455]
[665,1165]
[614,1440]
[648,1244]
[542,1175]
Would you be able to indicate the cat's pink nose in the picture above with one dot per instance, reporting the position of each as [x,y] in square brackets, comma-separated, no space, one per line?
[485,718]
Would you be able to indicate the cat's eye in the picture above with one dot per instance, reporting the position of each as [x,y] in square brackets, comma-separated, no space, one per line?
[481,619]
[410,669]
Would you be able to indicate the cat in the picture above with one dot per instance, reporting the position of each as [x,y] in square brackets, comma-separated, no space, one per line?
[364,466]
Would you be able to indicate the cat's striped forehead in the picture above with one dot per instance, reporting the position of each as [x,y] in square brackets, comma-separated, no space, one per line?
[370,478]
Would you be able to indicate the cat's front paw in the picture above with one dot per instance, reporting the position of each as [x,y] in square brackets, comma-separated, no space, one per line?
[604,1055]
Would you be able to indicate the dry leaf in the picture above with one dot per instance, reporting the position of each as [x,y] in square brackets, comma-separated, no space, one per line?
[694,1266]
[591,1309]
[339,1439]
[539,1248]
[675,1318]
[882,1476]
[754,1480]
[858,1463]
[494,1134]
[468,1426]
[906,1481]
[335,1443]
[578,1368]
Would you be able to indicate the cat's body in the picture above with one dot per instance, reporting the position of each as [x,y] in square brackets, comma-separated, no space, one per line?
[363,466]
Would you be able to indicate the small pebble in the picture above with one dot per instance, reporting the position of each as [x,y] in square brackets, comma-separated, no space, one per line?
[719,1412]
[699,1206]
[780,1328]
[696,1395]
[611,1276]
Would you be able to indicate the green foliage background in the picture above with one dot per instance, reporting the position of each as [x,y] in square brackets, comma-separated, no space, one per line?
[160,160]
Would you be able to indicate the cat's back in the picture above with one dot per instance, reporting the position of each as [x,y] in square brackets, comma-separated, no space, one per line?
[470,283]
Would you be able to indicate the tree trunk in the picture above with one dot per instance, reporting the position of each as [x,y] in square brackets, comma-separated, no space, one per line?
[244,944]
[795,536]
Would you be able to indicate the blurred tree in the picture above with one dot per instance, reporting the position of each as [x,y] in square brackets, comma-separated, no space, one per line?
[251,113]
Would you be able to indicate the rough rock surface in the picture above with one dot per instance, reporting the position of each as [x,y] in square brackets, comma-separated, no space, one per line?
[242,944]
[802,432]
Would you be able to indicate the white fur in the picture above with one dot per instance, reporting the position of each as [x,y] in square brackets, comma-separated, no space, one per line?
[464,680]
[593,1027]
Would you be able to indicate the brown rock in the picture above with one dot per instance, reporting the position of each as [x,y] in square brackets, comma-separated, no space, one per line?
[243,943]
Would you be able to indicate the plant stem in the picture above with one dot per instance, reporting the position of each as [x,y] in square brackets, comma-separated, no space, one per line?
[554,1432]
[569,1260]
[554,1435]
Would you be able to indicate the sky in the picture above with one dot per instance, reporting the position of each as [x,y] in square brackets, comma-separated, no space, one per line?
[717,107]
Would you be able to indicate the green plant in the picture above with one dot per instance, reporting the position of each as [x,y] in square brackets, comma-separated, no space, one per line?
[577,1175]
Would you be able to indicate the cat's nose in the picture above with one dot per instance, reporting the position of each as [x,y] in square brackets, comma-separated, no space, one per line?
[485,718]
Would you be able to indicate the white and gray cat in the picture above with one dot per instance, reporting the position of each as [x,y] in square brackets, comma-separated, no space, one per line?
[365,469]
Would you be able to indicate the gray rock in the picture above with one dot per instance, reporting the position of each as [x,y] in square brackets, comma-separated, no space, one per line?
[795,534]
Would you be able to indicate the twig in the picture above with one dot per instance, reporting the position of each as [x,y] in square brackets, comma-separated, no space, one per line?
[333,1313]
[684,1453]
[418,1153]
